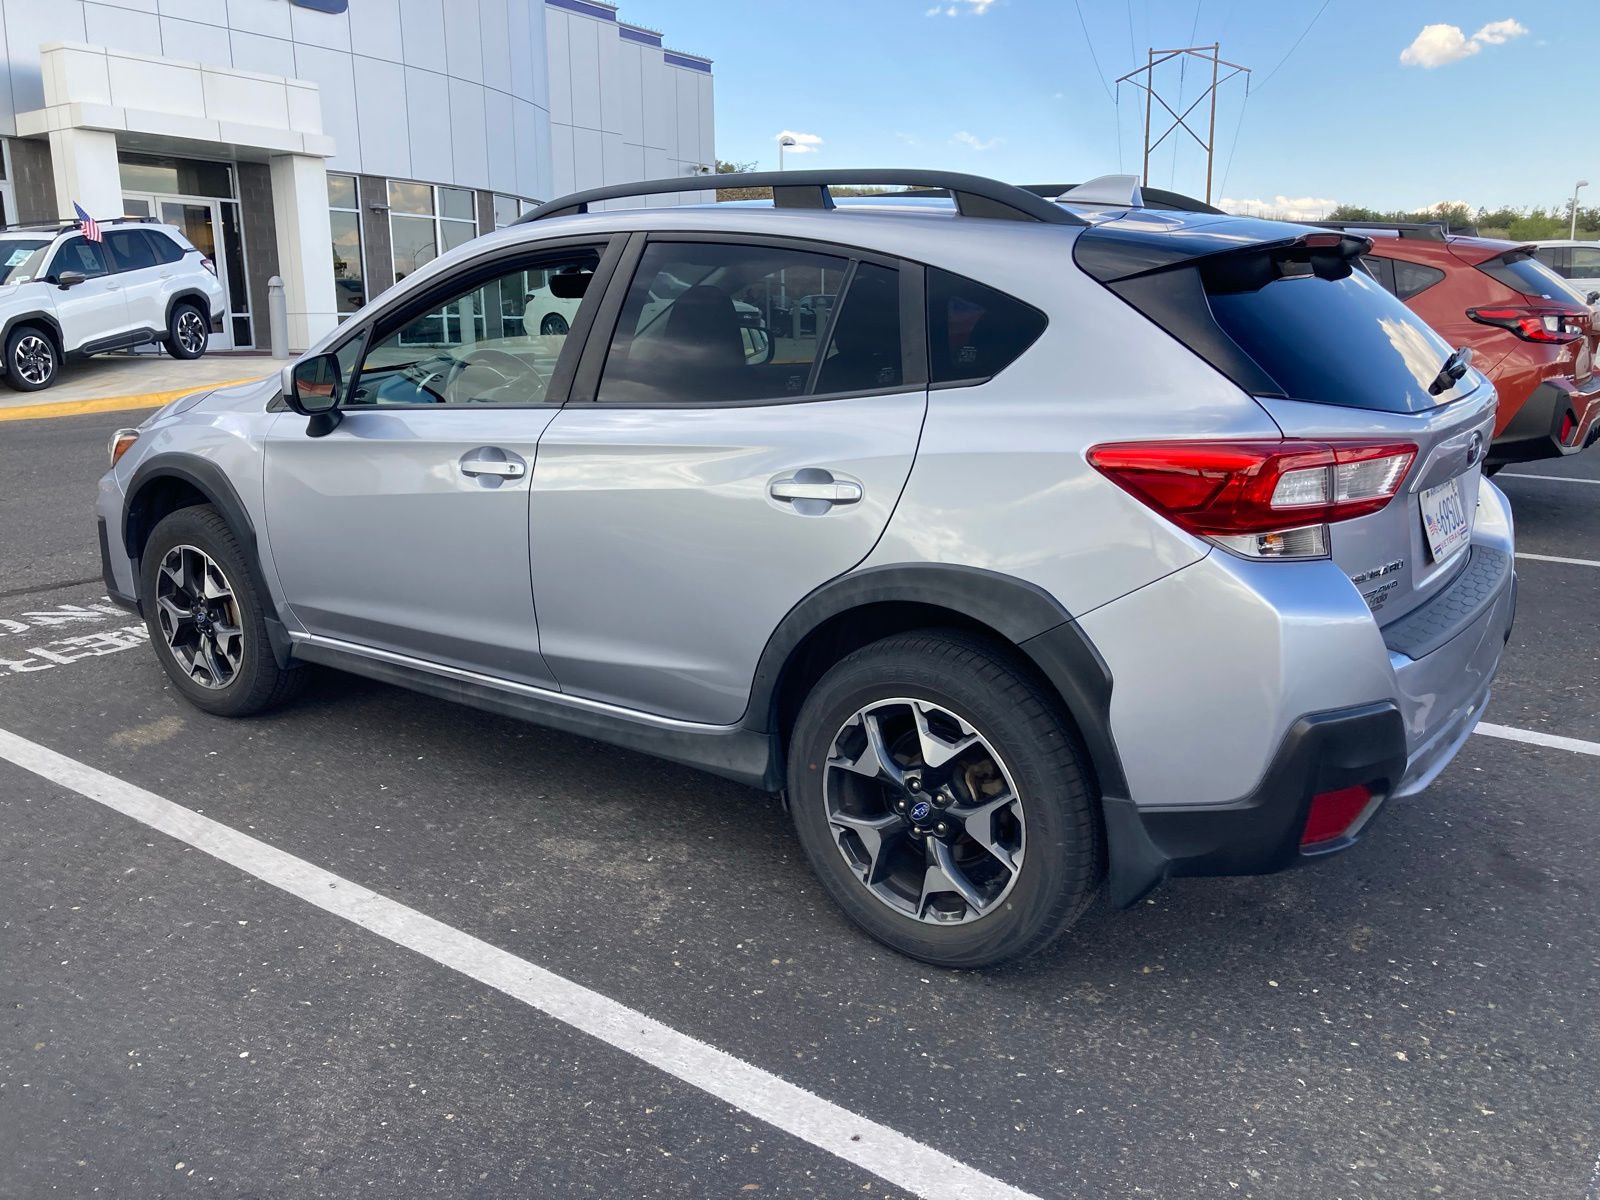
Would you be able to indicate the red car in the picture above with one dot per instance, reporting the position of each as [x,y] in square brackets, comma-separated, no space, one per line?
[1530,331]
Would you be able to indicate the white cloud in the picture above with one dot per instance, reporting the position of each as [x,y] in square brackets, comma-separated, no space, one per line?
[804,143]
[975,8]
[1283,208]
[974,142]
[1438,45]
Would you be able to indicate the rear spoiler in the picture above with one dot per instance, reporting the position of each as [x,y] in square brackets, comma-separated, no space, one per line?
[1110,255]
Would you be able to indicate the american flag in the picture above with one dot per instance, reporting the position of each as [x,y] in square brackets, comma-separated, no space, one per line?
[90,227]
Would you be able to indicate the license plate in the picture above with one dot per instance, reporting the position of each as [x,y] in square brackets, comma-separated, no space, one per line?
[1446,519]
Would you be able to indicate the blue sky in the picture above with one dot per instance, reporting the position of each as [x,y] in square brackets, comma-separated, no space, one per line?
[1008,88]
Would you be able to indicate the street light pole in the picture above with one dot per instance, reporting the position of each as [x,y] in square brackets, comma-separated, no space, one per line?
[782,142]
[1572,234]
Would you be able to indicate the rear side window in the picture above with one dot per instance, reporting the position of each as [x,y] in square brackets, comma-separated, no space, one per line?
[129,250]
[1336,341]
[706,323]
[1585,263]
[166,250]
[1522,272]
[974,331]
[1411,278]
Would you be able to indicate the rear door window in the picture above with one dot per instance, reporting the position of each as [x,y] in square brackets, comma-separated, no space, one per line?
[1381,269]
[864,352]
[129,250]
[974,330]
[166,250]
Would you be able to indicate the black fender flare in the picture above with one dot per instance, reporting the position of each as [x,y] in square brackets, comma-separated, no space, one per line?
[1023,613]
[193,295]
[209,480]
[43,319]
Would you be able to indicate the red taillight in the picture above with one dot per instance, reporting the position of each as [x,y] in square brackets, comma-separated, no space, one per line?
[1227,489]
[1534,322]
[1332,814]
[209,265]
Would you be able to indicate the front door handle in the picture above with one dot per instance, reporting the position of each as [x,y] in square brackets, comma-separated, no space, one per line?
[813,490]
[486,466]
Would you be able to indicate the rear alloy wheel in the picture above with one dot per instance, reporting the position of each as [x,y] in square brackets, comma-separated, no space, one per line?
[187,332]
[941,797]
[31,359]
[553,325]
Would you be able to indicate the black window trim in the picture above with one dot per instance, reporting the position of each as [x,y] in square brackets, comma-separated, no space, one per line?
[913,317]
[502,261]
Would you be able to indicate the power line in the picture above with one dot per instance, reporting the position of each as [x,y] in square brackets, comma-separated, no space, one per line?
[1095,58]
[1296,45]
[1238,125]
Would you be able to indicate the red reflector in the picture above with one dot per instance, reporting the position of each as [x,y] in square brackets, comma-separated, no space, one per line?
[1332,813]
[1222,489]
[1568,425]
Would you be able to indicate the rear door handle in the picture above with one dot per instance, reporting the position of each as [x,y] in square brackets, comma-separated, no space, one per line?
[486,466]
[812,489]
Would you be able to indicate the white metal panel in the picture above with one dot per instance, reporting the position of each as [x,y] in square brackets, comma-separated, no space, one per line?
[558,27]
[686,140]
[542,186]
[588,157]
[8,120]
[562,162]
[422,23]
[629,92]
[385,140]
[375,29]
[660,99]
[584,50]
[192,41]
[331,30]
[269,55]
[122,28]
[612,91]
[207,12]
[539,54]
[428,116]
[500,134]
[496,29]
[28,25]
[468,137]
[334,75]
[523,64]
[657,166]
[146,6]
[708,122]
[463,39]
[269,17]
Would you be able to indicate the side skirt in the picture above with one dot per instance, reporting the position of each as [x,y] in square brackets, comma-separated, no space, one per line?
[730,751]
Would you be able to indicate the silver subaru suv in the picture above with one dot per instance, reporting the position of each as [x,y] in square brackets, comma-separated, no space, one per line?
[1024,543]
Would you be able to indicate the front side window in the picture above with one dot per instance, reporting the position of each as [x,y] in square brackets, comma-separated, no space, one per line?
[79,254]
[713,324]
[495,343]
[1585,263]
[128,250]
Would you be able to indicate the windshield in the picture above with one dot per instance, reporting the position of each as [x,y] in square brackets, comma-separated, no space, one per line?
[21,258]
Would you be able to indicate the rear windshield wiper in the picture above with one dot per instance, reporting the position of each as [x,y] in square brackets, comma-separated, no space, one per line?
[1450,374]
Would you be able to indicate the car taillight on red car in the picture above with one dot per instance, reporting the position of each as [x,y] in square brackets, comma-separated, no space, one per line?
[1534,322]
[1262,499]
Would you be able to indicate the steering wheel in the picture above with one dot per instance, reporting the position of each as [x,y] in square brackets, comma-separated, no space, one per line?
[509,368]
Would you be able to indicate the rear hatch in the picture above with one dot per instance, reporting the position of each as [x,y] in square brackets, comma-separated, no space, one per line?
[1337,362]
[1550,308]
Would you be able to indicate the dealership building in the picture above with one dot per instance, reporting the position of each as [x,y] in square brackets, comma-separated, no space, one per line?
[338,144]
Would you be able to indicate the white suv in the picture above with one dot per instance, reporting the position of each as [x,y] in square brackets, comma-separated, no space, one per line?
[63,296]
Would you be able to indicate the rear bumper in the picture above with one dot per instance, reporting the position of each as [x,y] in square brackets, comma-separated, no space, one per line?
[1558,418]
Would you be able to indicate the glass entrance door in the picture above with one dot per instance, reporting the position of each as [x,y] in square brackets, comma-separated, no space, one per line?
[201,222]
[213,227]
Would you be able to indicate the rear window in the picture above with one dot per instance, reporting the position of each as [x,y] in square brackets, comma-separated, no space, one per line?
[974,331]
[1344,341]
[1522,272]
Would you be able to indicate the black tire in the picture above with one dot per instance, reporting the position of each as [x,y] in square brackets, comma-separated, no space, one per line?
[553,325]
[188,331]
[258,683]
[989,686]
[33,360]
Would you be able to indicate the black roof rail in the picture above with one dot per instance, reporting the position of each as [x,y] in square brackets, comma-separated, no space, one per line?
[1422,231]
[975,196]
[64,226]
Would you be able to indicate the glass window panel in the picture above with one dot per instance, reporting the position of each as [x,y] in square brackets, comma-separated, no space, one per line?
[233,250]
[707,323]
[506,211]
[1585,263]
[341,191]
[79,254]
[456,233]
[348,283]
[465,351]
[135,208]
[411,198]
[128,250]
[241,332]
[175,176]
[864,352]
[975,331]
[457,203]
[414,243]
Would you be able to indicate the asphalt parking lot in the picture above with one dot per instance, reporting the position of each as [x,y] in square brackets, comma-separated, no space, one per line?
[1414,1018]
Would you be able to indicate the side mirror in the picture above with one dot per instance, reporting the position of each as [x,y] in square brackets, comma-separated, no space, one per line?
[314,391]
[1592,297]
[70,279]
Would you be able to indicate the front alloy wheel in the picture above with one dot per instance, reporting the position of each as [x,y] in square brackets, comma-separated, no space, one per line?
[199,617]
[924,811]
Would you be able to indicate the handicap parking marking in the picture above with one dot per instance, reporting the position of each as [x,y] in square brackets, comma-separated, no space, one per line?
[886,1153]
[30,640]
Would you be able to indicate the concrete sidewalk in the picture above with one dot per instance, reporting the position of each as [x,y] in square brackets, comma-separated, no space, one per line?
[109,382]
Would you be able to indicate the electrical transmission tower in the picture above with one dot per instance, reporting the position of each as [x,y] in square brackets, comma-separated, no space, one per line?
[1152,97]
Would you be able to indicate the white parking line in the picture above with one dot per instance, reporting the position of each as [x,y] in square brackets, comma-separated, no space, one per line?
[1571,562]
[1534,738]
[891,1156]
[1547,478]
